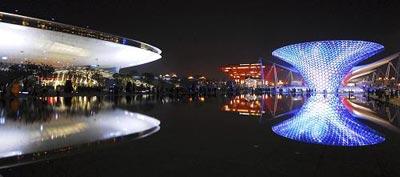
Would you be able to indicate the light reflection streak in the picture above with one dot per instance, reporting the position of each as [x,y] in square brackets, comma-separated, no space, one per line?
[18,138]
[368,114]
[252,105]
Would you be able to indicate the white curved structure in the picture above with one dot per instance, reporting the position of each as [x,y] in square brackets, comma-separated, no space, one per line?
[363,70]
[25,39]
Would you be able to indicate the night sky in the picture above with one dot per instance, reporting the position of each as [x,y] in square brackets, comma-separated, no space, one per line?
[197,37]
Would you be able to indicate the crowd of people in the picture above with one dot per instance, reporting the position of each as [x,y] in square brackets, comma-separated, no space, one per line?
[384,94]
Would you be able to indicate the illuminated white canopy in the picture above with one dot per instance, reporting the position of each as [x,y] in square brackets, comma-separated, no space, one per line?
[21,41]
[363,70]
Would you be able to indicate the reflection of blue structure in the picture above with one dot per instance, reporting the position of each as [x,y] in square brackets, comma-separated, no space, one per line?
[326,121]
[323,64]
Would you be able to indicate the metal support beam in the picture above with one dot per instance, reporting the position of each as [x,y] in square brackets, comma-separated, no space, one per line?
[290,77]
[398,70]
[262,72]
[387,75]
[373,78]
[275,75]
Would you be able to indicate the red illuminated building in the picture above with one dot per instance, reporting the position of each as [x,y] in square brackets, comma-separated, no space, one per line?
[251,74]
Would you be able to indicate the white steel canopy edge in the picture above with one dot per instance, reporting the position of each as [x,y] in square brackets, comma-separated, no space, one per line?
[21,43]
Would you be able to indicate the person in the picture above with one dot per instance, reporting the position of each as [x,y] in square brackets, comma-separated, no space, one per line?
[387,94]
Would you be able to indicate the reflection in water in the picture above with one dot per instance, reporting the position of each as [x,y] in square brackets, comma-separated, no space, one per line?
[388,112]
[244,105]
[324,120]
[58,124]
[359,110]
[19,138]
[258,105]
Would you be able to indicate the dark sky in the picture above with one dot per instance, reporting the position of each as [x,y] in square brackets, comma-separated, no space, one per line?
[197,37]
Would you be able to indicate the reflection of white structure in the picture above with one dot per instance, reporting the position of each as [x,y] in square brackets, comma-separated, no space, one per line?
[362,112]
[19,138]
[39,41]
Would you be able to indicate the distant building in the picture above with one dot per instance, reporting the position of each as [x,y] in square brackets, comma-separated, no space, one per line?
[250,75]
[239,73]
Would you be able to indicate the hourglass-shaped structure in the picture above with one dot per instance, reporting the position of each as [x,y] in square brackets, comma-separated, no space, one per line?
[324,64]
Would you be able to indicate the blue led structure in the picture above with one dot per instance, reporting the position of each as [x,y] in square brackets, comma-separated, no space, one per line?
[324,64]
[325,120]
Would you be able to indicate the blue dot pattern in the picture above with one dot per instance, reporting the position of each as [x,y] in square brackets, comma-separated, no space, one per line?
[324,64]
[325,120]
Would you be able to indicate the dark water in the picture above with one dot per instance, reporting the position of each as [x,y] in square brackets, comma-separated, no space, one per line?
[243,135]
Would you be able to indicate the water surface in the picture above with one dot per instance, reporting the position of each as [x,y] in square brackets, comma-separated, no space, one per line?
[221,136]
[34,129]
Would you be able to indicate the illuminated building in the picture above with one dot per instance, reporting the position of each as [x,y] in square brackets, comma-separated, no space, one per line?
[79,76]
[324,64]
[325,120]
[239,73]
[88,77]
[168,77]
[250,75]
[26,39]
